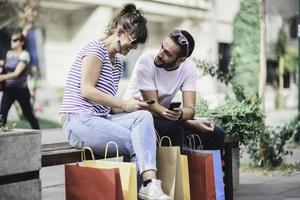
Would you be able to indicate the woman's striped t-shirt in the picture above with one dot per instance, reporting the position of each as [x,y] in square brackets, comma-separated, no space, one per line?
[107,82]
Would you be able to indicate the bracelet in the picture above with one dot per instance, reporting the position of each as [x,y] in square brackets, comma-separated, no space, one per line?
[181,115]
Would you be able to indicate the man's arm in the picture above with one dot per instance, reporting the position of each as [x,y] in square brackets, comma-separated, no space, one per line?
[156,108]
[185,113]
[189,102]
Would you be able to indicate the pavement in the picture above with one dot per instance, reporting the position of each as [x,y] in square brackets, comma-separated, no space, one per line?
[262,187]
[252,186]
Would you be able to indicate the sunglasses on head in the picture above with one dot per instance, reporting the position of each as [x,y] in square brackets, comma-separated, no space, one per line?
[132,41]
[182,40]
[15,39]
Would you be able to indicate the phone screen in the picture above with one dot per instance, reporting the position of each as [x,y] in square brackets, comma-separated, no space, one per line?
[150,101]
[174,105]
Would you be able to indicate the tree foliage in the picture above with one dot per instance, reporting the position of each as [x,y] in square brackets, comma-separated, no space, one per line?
[281,45]
[245,51]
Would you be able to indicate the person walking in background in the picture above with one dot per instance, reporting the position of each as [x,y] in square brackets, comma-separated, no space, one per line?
[15,67]
[159,76]
[91,113]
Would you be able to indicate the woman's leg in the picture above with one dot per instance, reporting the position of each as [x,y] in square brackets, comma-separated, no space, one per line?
[143,138]
[6,102]
[95,132]
[23,97]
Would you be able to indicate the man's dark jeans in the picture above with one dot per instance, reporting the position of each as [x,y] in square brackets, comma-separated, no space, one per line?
[177,132]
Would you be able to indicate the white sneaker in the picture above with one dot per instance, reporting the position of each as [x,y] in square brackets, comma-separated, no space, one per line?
[153,191]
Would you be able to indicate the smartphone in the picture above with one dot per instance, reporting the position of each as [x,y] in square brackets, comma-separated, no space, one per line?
[174,105]
[150,101]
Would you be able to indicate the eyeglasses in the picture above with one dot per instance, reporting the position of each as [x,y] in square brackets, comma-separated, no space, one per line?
[181,39]
[132,41]
[15,39]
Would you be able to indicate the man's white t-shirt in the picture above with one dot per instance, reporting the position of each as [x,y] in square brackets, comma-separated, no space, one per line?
[147,77]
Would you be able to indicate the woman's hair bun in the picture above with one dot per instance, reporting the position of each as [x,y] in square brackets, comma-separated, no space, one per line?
[128,8]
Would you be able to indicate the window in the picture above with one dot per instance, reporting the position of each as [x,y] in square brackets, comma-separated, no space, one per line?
[224,56]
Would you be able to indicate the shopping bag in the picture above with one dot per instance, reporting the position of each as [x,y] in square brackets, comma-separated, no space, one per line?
[171,172]
[85,183]
[185,177]
[217,163]
[128,172]
[201,174]
[218,173]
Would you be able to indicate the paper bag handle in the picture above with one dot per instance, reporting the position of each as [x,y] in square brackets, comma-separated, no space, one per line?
[83,157]
[162,138]
[190,142]
[199,139]
[157,137]
[106,148]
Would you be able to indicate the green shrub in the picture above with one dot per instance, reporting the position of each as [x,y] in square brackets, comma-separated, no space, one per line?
[268,149]
[296,127]
[242,119]
[245,120]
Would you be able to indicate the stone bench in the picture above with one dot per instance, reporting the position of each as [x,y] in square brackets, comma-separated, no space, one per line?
[63,153]
[20,163]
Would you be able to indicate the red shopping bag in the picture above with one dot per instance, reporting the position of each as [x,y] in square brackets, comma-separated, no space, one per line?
[201,174]
[86,183]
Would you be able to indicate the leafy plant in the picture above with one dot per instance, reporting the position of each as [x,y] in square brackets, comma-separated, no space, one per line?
[212,68]
[245,120]
[242,119]
[295,124]
[268,149]
[291,59]
[6,127]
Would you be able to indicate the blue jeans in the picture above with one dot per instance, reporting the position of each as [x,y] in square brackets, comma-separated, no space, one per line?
[133,132]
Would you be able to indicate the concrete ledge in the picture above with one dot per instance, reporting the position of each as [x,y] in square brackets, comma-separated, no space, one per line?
[20,151]
[25,190]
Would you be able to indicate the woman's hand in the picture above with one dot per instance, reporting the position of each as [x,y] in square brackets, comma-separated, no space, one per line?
[2,77]
[134,105]
[1,63]
[201,124]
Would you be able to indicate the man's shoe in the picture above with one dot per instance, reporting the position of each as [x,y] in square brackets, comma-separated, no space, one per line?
[153,191]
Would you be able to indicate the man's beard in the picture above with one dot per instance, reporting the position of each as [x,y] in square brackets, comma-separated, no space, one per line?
[159,65]
[163,64]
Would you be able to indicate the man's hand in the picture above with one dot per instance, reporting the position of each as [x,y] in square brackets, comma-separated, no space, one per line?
[172,115]
[201,124]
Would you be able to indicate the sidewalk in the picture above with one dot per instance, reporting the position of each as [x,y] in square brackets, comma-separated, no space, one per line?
[252,186]
[260,187]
